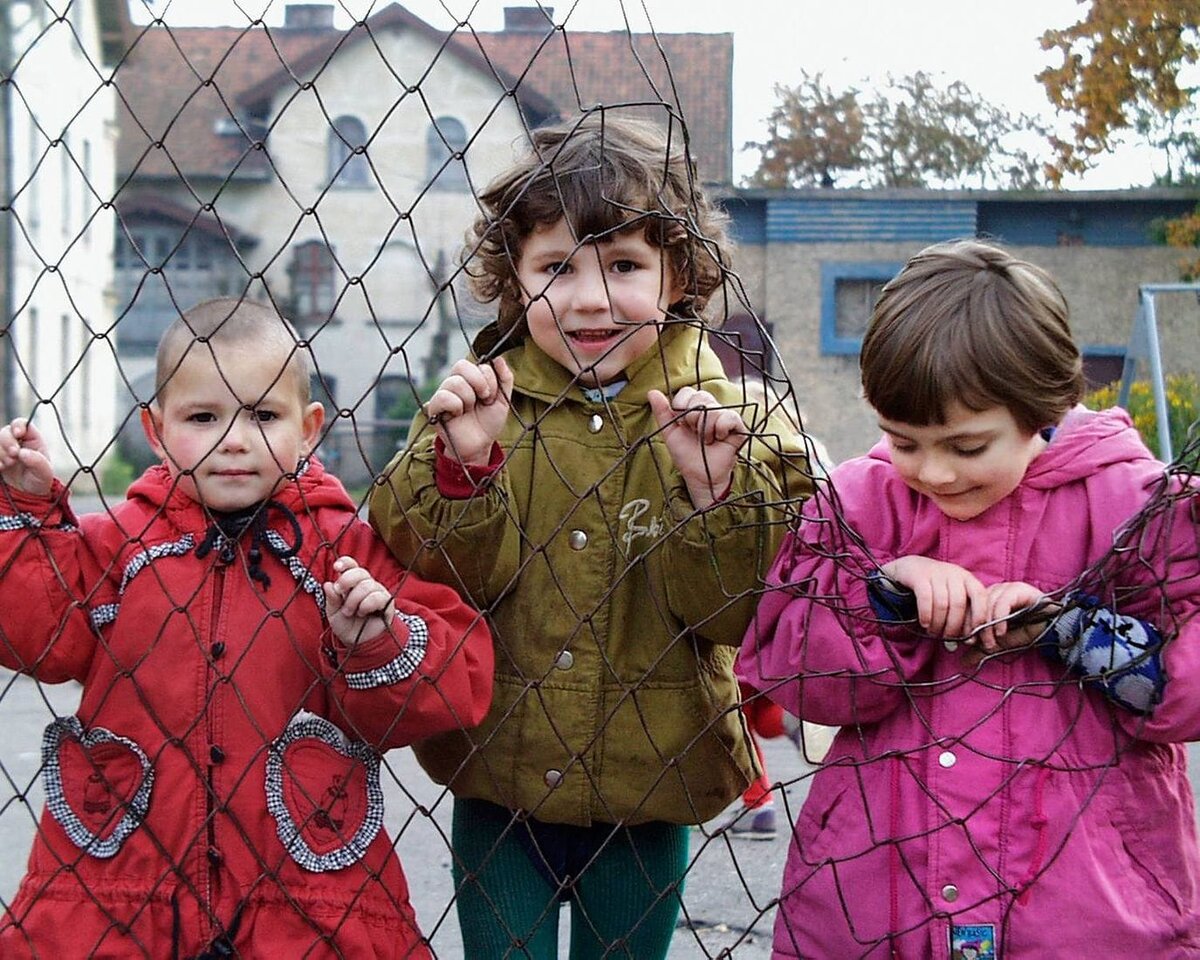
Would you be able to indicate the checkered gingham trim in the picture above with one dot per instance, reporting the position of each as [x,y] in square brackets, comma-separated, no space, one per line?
[27,521]
[106,613]
[308,725]
[301,573]
[403,666]
[69,728]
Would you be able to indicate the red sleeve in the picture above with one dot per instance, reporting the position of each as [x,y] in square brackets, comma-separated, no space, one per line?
[45,598]
[430,674]
[457,481]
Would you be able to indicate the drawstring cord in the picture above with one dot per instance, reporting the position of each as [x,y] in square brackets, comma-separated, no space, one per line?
[227,529]
[221,946]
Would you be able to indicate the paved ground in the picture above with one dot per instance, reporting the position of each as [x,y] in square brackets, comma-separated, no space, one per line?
[727,903]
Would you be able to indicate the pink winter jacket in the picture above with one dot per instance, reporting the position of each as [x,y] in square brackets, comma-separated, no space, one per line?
[1004,807]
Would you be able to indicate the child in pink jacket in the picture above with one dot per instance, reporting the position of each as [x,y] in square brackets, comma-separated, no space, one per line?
[997,606]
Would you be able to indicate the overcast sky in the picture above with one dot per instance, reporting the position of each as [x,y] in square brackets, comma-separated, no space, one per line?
[993,47]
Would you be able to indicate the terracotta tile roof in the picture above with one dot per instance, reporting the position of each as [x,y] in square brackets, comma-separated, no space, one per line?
[177,85]
[139,205]
[693,72]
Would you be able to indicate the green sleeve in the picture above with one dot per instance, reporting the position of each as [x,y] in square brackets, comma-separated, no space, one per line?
[719,557]
[471,545]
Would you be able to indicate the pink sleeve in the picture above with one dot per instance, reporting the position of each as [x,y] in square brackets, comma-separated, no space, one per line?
[815,645]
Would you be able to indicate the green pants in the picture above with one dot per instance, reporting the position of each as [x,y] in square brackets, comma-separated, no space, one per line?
[624,885]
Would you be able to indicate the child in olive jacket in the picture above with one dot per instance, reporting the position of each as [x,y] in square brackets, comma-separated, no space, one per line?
[589,482]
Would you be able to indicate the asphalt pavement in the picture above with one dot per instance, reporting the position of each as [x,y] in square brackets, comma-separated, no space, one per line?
[728,897]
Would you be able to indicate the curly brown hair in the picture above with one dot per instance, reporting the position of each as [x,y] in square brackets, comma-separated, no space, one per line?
[605,174]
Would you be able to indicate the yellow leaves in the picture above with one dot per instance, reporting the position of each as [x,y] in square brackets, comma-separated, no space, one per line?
[1120,62]
[1183,407]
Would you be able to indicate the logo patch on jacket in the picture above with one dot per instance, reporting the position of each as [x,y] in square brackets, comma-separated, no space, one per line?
[323,791]
[976,941]
[633,527]
[97,785]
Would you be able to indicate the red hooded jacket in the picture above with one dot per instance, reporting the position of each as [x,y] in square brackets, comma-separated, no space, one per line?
[218,793]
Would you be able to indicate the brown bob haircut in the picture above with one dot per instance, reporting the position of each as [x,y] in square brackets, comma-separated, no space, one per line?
[232,320]
[605,174]
[966,321]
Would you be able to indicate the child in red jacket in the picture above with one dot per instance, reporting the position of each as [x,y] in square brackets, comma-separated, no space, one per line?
[247,649]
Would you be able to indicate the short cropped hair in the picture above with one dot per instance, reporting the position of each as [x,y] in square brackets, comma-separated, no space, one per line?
[606,175]
[966,321]
[231,320]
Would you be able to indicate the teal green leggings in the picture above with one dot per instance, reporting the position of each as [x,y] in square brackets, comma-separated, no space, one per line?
[624,884]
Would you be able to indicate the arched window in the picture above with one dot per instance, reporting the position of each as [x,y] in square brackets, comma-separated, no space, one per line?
[446,137]
[347,168]
[312,274]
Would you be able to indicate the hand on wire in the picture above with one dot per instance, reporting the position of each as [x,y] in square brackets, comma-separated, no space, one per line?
[946,593]
[470,408]
[358,606]
[23,460]
[703,438]
[1013,615]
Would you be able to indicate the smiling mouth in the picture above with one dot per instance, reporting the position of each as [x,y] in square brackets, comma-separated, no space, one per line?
[602,335]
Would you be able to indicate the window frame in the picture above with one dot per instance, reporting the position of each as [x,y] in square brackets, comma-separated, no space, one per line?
[831,272]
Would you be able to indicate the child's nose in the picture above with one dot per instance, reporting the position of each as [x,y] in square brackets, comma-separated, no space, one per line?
[591,292]
[936,472]
[235,437]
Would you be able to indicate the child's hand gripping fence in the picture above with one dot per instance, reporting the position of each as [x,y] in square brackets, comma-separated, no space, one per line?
[332,171]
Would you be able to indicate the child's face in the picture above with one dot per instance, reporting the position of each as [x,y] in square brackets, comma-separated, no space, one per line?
[235,423]
[966,465]
[597,308]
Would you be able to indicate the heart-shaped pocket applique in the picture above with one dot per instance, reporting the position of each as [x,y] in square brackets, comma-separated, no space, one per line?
[97,784]
[323,791]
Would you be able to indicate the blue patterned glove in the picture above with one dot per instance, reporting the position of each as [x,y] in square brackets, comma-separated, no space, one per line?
[1119,655]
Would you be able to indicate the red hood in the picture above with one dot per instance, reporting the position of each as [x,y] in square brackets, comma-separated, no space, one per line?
[313,489]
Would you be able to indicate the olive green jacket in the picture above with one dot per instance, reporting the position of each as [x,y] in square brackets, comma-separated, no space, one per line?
[617,608]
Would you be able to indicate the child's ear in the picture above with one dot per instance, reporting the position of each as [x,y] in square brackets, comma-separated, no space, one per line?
[152,426]
[314,419]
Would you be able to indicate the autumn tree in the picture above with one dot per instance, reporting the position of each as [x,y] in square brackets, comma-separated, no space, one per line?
[909,132]
[1122,69]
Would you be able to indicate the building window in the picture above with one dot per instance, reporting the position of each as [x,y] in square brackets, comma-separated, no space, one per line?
[445,142]
[85,191]
[1102,366]
[312,273]
[848,295]
[348,168]
[63,389]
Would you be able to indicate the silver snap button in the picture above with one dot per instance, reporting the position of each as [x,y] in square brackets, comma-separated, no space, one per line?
[950,892]
[947,759]
[595,423]
[552,778]
[565,660]
[577,539]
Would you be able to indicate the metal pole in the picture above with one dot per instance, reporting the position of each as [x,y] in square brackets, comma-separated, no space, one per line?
[8,357]
[1165,453]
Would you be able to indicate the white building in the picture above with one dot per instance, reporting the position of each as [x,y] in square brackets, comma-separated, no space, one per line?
[61,364]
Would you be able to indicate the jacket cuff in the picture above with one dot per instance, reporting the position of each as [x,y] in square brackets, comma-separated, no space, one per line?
[457,481]
[20,510]
[891,601]
[385,659]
